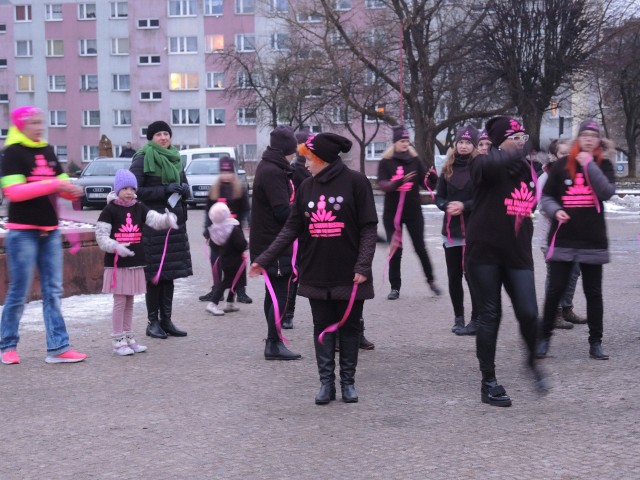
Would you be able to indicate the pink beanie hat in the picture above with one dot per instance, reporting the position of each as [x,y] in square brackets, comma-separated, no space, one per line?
[20,115]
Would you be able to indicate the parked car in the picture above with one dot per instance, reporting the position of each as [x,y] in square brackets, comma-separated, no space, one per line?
[189,154]
[201,174]
[97,181]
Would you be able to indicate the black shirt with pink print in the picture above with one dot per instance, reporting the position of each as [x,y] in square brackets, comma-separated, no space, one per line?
[126,228]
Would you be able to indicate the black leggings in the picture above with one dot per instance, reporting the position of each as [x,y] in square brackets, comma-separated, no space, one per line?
[415,227]
[486,282]
[455,272]
[559,273]
[327,312]
[281,288]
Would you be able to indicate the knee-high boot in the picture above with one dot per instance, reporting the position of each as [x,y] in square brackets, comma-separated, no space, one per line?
[166,305]
[326,359]
[349,346]
[152,298]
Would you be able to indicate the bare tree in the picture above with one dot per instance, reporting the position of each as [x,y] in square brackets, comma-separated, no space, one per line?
[535,47]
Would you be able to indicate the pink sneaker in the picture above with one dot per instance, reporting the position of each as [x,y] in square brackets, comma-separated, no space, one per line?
[70,356]
[10,357]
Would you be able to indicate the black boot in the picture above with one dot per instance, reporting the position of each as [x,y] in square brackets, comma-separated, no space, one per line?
[276,350]
[542,347]
[349,346]
[458,323]
[208,297]
[242,295]
[494,394]
[326,359]
[364,343]
[152,299]
[166,304]
[595,351]
[287,322]
[470,329]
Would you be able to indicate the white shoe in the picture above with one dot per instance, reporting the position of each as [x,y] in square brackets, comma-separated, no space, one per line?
[120,346]
[230,307]
[214,309]
[133,345]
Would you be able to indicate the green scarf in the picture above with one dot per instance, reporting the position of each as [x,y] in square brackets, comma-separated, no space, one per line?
[162,162]
[16,136]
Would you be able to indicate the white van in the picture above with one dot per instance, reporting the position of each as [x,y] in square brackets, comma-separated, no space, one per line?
[206,152]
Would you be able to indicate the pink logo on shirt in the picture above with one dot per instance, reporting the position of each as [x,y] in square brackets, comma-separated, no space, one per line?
[521,202]
[405,187]
[579,195]
[42,171]
[128,233]
[323,222]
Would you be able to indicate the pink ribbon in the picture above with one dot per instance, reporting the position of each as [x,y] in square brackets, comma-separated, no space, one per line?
[276,308]
[115,267]
[426,183]
[552,244]
[156,278]
[596,201]
[335,326]
[396,238]
[243,265]
[294,260]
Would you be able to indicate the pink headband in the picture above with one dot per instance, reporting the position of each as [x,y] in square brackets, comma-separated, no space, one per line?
[20,115]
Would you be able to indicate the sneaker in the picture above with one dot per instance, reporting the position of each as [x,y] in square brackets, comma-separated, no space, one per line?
[569,315]
[206,298]
[10,357]
[434,288]
[393,294]
[70,356]
[230,307]
[244,298]
[213,309]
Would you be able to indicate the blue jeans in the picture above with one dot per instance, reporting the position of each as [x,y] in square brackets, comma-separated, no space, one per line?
[25,249]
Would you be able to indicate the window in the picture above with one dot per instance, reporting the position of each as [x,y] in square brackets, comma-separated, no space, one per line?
[371,78]
[55,48]
[61,152]
[23,13]
[309,17]
[376,37]
[248,151]
[343,4]
[378,107]
[4,132]
[339,115]
[182,8]
[149,60]
[57,83]
[374,3]
[150,96]
[247,116]
[312,92]
[183,44]
[143,132]
[119,46]
[88,83]
[119,10]
[4,98]
[244,79]
[215,80]
[3,28]
[91,118]
[3,63]
[213,7]
[245,42]
[280,41]
[336,40]
[53,12]
[216,116]
[245,6]
[213,43]
[89,152]
[279,6]
[149,23]
[24,48]
[121,83]
[122,118]
[88,48]
[26,83]
[185,116]
[58,118]
[86,11]
[374,150]
[183,81]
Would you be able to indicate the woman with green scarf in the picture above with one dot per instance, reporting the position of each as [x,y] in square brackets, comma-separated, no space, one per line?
[162,185]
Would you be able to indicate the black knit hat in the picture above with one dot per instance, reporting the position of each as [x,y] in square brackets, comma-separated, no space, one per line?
[468,132]
[226,164]
[282,139]
[400,132]
[589,124]
[499,128]
[156,127]
[302,135]
[328,146]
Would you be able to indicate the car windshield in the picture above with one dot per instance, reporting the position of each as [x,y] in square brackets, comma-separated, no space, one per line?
[203,166]
[106,168]
[209,155]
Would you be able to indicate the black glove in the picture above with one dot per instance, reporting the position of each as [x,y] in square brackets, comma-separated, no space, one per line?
[172,188]
[186,191]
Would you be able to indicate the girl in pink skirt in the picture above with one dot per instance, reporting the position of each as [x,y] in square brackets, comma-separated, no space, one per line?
[119,234]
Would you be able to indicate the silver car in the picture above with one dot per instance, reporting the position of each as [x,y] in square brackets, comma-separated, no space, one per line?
[201,174]
[97,181]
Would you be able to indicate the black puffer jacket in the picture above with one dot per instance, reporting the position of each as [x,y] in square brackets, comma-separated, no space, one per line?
[151,191]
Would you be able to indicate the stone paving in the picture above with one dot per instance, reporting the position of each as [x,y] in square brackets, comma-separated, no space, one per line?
[209,406]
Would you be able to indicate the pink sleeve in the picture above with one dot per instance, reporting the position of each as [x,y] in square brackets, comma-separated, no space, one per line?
[20,192]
